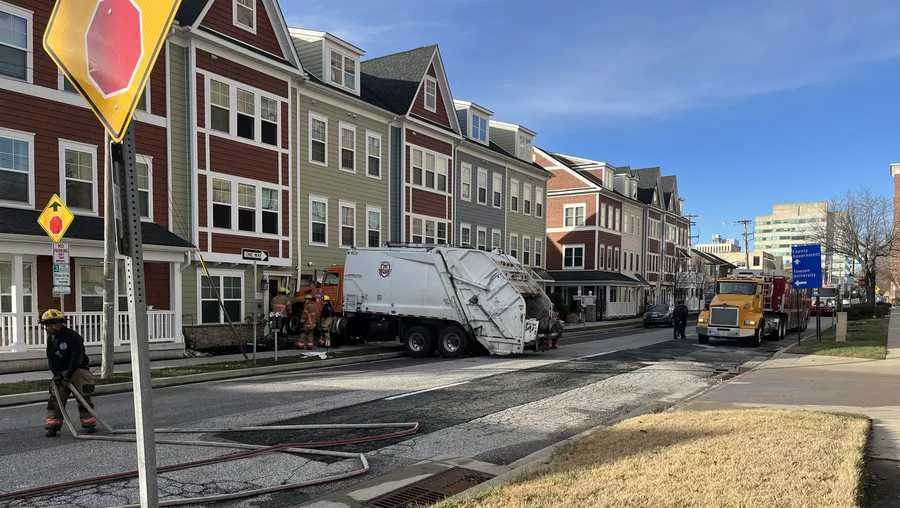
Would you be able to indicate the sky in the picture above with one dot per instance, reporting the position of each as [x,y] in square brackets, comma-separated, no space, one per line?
[749,103]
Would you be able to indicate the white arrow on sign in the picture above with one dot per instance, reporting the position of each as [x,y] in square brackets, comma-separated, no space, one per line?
[254,255]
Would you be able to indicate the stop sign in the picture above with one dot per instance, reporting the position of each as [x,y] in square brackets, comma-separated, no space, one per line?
[114,45]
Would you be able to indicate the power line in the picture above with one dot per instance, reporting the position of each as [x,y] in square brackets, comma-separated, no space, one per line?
[746,223]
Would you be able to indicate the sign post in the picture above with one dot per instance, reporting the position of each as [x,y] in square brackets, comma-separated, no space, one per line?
[256,256]
[806,272]
[107,49]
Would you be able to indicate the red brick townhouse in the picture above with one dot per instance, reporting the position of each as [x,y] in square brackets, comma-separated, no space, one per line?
[50,143]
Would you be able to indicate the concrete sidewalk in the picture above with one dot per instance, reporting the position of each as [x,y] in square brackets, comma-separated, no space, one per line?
[823,383]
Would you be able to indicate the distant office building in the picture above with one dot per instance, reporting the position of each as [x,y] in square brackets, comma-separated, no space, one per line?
[719,245]
[759,260]
[796,224]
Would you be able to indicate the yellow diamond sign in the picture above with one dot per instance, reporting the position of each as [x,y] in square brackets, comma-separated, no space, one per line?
[56,219]
[107,49]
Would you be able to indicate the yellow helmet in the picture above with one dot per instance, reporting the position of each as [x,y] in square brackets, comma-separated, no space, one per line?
[52,316]
[284,290]
[326,298]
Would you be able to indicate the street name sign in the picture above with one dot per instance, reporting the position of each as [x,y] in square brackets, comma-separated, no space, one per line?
[56,218]
[107,48]
[255,255]
[806,266]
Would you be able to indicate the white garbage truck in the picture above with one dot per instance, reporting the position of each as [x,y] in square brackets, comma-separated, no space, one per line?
[446,299]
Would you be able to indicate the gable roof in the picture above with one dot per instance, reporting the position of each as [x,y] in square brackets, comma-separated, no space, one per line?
[667,185]
[392,81]
[189,11]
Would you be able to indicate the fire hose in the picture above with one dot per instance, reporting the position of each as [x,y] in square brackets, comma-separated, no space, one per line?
[305,448]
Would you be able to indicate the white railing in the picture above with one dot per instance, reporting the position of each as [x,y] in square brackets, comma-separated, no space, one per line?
[160,326]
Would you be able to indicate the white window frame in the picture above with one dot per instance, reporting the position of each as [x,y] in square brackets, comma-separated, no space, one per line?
[617,259]
[602,223]
[31,261]
[260,210]
[232,120]
[317,199]
[148,160]
[575,207]
[617,224]
[573,246]
[341,82]
[65,144]
[29,39]
[373,135]
[352,206]
[254,116]
[237,23]
[430,81]
[482,177]
[465,242]
[601,256]
[514,193]
[478,244]
[526,251]
[497,190]
[324,119]
[220,273]
[527,198]
[465,178]
[424,220]
[79,293]
[344,126]
[437,172]
[232,207]
[538,253]
[26,137]
[524,142]
[539,202]
[497,235]
[478,118]
[238,207]
[374,209]
[514,245]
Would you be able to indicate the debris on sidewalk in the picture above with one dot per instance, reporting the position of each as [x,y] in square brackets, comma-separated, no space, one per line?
[714,458]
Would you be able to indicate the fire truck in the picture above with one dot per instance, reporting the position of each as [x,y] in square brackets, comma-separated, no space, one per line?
[754,307]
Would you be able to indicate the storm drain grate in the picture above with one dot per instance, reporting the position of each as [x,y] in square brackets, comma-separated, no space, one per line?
[431,489]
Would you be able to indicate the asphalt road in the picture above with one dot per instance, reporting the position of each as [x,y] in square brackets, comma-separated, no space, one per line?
[496,410]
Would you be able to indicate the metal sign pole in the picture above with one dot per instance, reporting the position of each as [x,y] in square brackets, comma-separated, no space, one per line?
[255,317]
[819,315]
[131,246]
[110,296]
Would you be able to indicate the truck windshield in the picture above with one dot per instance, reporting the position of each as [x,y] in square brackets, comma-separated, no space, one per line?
[736,288]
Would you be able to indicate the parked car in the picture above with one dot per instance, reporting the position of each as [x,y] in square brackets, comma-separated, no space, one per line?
[658,315]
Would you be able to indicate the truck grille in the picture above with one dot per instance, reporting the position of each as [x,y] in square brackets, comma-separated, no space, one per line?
[723,316]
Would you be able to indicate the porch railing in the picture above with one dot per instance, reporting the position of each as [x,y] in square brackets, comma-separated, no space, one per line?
[160,326]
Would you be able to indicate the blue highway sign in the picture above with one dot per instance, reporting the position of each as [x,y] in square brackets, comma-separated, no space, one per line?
[807,266]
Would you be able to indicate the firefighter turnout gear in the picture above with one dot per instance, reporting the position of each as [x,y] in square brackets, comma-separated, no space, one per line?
[68,362]
[327,320]
[310,320]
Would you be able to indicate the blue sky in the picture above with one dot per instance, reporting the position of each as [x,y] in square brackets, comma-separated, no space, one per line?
[748,103]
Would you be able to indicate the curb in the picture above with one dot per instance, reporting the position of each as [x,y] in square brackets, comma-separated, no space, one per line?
[31,397]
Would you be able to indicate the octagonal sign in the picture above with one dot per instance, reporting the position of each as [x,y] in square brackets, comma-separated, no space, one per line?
[107,49]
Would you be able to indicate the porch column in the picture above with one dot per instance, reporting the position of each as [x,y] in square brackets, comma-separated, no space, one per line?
[175,302]
[18,305]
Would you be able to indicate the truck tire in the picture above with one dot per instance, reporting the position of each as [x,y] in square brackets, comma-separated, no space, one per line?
[419,341]
[452,342]
[782,330]
[703,339]
[758,338]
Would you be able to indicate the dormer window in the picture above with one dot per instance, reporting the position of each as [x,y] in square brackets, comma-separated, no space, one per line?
[479,128]
[343,70]
[245,14]
[524,146]
[430,94]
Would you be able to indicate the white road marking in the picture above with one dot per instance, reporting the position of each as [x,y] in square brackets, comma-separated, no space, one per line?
[595,355]
[410,394]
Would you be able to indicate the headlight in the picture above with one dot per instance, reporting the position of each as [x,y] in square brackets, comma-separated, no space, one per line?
[749,322]
[701,320]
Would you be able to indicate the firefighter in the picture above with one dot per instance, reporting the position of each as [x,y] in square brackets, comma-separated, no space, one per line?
[280,305]
[69,364]
[327,319]
[310,322]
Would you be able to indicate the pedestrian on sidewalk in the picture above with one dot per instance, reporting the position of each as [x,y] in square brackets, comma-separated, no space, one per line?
[679,320]
[69,364]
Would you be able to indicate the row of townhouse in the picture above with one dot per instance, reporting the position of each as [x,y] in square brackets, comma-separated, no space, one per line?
[615,233]
[250,135]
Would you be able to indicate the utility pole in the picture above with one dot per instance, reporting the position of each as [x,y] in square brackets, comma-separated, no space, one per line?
[746,223]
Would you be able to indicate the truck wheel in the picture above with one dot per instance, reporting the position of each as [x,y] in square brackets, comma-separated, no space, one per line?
[782,330]
[452,342]
[703,339]
[419,341]
[758,338]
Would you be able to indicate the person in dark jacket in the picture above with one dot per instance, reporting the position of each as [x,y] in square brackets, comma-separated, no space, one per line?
[679,320]
[68,363]
[326,321]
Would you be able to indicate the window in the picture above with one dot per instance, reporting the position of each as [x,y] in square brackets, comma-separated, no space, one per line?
[429,170]
[637,262]
[430,94]
[538,201]
[526,198]
[514,194]
[245,14]
[603,215]
[373,227]
[79,174]
[348,224]
[496,239]
[602,256]
[373,155]
[442,233]
[90,279]
[246,207]
[246,114]
[219,106]
[15,43]
[144,174]
[441,169]
[465,186]
[482,239]
[524,147]
[318,221]
[573,256]
[514,246]
[610,264]
[465,235]
[482,186]
[6,287]
[349,72]
[617,259]
[417,163]
[318,139]
[479,128]
[16,169]
[526,250]
[348,147]
[343,70]
[574,215]
[269,201]
[221,198]
[268,121]
[430,232]
[417,227]
[538,253]
[229,289]
[497,189]
[618,222]
[431,167]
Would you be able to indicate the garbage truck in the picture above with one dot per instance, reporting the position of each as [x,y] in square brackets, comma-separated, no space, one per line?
[449,300]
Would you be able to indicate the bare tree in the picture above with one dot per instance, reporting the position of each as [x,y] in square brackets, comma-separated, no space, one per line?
[860,227]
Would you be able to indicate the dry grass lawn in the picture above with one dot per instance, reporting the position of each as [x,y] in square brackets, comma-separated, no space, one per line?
[716,459]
